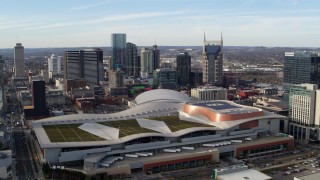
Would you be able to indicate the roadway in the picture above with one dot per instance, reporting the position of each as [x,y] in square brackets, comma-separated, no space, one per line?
[24,165]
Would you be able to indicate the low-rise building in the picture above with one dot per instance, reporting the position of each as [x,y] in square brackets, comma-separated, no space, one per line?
[5,164]
[87,91]
[59,84]
[243,94]
[206,93]
[269,90]
[25,98]
[55,97]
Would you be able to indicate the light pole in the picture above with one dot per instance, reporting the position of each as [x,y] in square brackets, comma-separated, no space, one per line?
[11,120]
[53,167]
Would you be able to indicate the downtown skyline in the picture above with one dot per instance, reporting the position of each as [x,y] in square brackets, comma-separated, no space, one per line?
[74,23]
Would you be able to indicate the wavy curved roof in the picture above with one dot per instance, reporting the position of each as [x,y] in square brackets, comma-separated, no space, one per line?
[148,116]
[162,95]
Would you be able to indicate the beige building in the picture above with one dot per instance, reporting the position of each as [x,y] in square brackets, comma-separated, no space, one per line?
[304,113]
[206,93]
[19,61]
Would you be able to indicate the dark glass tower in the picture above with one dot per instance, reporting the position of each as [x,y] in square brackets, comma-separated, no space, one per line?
[118,46]
[132,67]
[183,68]
[39,105]
[156,57]
[302,67]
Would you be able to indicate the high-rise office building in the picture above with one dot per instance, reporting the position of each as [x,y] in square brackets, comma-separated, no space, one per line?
[83,64]
[156,57]
[132,64]
[302,67]
[147,62]
[54,65]
[183,68]
[1,71]
[212,62]
[38,107]
[1,84]
[116,78]
[118,46]
[116,85]
[165,78]
[304,112]
[19,70]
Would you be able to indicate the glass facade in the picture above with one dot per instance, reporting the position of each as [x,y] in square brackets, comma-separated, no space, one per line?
[118,46]
[132,67]
[164,76]
[302,67]
[212,63]
[183,68]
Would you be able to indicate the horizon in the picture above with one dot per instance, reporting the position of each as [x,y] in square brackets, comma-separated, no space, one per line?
[200,46]
[78,23]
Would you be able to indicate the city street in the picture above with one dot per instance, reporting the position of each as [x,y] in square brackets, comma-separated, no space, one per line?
[23,159]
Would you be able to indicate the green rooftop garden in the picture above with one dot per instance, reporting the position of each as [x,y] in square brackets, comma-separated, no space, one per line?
[127,127]
[175,124]
[69,133]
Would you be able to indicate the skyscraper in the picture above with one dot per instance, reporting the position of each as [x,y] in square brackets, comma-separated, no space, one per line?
[156,57]
[118,45]
[1,83]
[54,64]
[183,68]
[83,64]
[39,107]
[132,64]
[212,62]
[165,78]
[147,62]
[19,61]
[302,67]
[1,71]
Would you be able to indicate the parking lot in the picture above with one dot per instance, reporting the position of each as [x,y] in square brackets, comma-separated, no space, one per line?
[294,168]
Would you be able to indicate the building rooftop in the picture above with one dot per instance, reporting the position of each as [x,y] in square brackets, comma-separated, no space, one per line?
[154,114]
[248,174]
[309,177]
[227,107]
[110,130]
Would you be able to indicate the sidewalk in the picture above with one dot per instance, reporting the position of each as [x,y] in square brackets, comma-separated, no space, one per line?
[34,154]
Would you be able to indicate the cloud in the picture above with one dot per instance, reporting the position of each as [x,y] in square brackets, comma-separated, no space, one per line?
[45,26]
[18,25]
[77,8]
[124,17]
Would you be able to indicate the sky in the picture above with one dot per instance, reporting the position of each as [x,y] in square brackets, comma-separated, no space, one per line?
[79,23]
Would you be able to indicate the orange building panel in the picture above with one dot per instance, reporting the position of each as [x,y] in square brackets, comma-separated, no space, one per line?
[218,117]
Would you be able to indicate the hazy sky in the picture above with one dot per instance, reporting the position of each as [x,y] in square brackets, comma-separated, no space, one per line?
[66,23]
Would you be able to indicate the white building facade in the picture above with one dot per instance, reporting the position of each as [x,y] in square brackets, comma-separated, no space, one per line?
[147,62]
[54,65]
[303,112]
